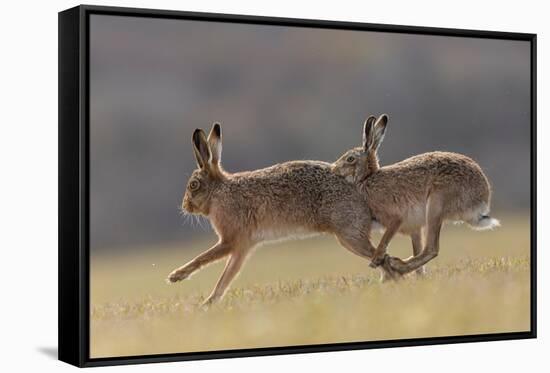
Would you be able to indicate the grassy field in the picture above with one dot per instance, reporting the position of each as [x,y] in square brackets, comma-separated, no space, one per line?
[308,292]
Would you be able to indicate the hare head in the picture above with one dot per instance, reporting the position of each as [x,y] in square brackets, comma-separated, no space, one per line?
[359,163]
[209,172]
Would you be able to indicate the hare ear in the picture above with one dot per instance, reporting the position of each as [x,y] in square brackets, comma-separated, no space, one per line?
[368,129]
[379,130]
[200,148]
[215,143]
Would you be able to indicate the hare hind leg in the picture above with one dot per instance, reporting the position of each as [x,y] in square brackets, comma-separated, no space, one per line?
[416,239]
[434,220]
[232,268]
[213,254]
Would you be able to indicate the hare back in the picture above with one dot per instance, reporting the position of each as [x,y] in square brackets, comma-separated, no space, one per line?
[289,199]
[403,189]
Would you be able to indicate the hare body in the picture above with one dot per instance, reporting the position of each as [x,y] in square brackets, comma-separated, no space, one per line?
[404,188]
[286,200]
[416,195]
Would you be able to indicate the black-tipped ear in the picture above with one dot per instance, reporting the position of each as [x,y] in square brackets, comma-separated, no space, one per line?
[379,130]
[368,132]
[217,128]
[200,148]
[215,143]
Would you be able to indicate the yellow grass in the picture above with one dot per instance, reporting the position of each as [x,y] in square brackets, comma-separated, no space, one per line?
[309,292]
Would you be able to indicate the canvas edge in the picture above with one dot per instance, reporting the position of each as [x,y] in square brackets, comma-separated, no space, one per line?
[71,261]
[73,186]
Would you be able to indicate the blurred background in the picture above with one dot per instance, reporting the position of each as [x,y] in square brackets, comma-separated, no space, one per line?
[287,93]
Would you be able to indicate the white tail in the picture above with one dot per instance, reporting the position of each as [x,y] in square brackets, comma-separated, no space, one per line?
[485,223]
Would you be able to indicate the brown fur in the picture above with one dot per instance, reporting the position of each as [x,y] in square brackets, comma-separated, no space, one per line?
[285,200]
[418,193]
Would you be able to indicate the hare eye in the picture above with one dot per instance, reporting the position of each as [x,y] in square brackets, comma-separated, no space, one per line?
[194,185]
[350,159]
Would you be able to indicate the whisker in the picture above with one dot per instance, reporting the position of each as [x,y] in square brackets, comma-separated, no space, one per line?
[196,221]
[203,223]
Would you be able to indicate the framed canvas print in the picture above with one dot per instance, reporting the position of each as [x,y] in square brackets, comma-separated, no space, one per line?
[237,186]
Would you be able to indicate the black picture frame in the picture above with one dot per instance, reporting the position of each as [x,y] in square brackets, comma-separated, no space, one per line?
[74,184]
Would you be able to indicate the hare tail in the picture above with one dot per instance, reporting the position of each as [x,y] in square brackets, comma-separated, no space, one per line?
[484,222]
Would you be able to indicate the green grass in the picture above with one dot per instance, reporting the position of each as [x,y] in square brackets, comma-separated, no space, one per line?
[310,291]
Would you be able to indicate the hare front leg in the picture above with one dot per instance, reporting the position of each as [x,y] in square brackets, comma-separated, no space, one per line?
[380,252]
[233,266]
[216,252]
[361,246]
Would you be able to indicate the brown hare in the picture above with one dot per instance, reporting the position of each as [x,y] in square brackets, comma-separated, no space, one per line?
[415,196]
[285,200]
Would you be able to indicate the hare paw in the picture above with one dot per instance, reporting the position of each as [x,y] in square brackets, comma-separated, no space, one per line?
[378,259]
[178,275]
[397,265]
[389,271]
[208,302]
